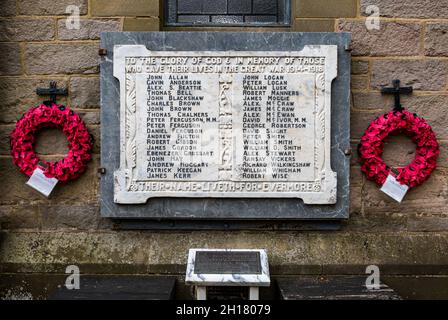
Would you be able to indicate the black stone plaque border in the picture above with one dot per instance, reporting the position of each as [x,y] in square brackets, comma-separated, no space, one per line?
[171,212]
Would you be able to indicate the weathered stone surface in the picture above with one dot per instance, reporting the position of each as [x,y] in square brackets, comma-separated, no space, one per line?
[287,251]
[19,94]
[10,59]
[5,131]
[396,221]
[89,116]
[442,161]
[430,197]
[421,74]
[355,199]
[359,82]
[54,58]
[85,92]
[372,101]
[356,176]
[51,141]
[19,217]
[392,38]
[49,7]
[131,8]
[80,217]
[313,25]
[436,39]
[89,29]
[399,150]
[325,8]
[360,67]
[359,121]
[141,24]
[25,29]
[82,190]
[431,107]
[407,8]
[8,8]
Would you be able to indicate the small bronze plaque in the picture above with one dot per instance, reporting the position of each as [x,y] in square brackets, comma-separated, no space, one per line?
[227,262]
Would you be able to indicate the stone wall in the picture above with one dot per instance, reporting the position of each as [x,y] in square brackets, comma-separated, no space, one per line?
[45,235]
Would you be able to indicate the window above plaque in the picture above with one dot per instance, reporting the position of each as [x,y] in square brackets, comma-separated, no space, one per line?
[222,13]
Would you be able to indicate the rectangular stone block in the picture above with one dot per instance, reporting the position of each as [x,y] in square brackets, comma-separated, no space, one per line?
[360,67]
[85,92]
[359,82]
[325,8]
[436,39]
[392,39]
[19,94]
[10,59]
[141,24]
[9,8]
[49,7]
[61,58]
[408,9]
[76,217]
[133,8]
[26,29]
[89,29]
[313,25]
[422,74]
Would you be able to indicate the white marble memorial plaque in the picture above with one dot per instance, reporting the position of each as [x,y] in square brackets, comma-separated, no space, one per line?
[225,124]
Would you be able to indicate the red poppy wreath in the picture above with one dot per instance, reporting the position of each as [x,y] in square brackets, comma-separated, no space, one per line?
[371,148]
[23,137]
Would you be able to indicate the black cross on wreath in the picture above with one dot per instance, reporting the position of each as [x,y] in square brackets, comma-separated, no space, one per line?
[52,91]
[396,90]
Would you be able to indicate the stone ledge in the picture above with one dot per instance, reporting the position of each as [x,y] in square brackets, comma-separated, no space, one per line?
[289,252]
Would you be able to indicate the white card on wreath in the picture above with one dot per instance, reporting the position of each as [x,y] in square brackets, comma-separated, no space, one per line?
[41,183]
[394,189]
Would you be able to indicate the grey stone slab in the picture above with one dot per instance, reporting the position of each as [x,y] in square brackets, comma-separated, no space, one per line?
[214,208]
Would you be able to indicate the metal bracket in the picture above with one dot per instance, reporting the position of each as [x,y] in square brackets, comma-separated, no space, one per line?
[396,90]
[52,91]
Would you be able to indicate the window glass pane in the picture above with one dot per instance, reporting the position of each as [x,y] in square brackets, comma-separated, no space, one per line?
[227,12]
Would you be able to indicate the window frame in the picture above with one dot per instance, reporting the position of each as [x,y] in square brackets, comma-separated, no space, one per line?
[170,17]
